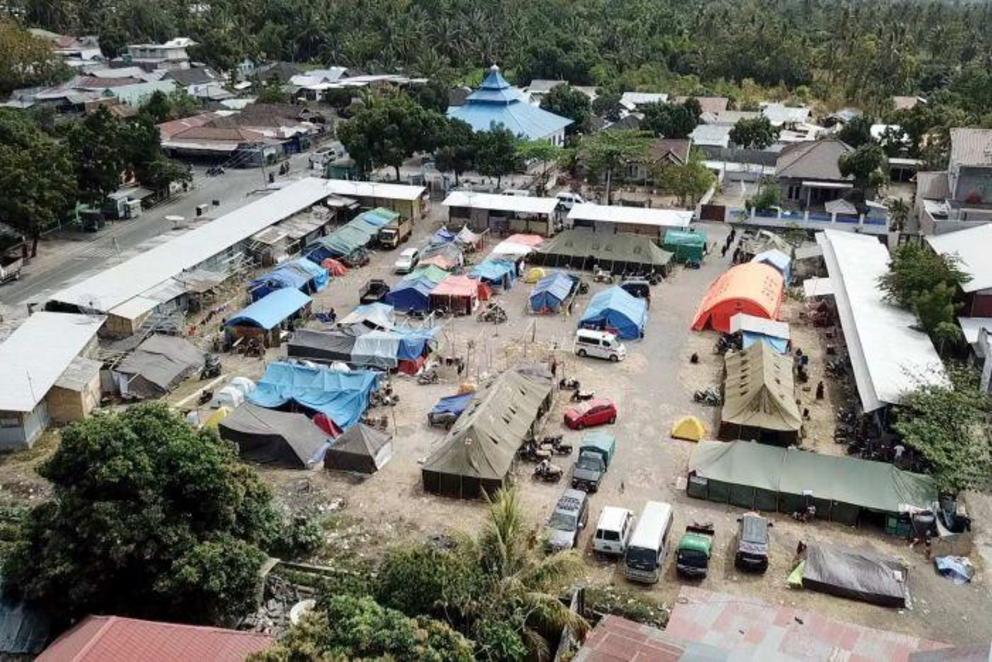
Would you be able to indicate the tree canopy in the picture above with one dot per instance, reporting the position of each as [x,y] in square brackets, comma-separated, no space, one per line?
[753,133]
[688,182]
[496,153]
[607,152]
[26,60]
[148,518]
[566,101]
[671,120]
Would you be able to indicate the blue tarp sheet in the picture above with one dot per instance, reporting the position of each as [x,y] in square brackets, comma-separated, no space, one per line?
[443,236]
[452,404]
[342,396]
[500,273]
[300,274]
[616,309]
[550,291]
[413,341]
[411,294]
[777,260]
[269,311]
[318,274]
[780,345]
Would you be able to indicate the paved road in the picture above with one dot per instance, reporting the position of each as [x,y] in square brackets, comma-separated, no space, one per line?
[69,258]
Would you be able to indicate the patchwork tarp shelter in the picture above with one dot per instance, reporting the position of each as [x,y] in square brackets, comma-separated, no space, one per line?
[300,274]
[759,397]
[517,246]
[616,310]
[458,294]
[468,240]
[276,437]
[442,236]
[761,477]
[321,346]
[752,288]
[356,233]
[443,256]
[776,259]
[362,347]
[341,396]
[498,273]
[156,366]
[480,448]
[584,249]
[685,246]
[375,315]
[753,329]
[856,574]
[271,311]
[550,292]
[411,294]
[360,449]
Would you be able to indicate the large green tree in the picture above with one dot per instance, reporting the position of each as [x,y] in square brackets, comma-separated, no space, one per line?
[867,165]
[670,120]
[457,151]
[857,131]
[543,153]
[26,60]
[496,153]
[608,152]
[36,177]
[98,151]
[915,269]
[688,181]
[566,101]
[148,518]
[753,133]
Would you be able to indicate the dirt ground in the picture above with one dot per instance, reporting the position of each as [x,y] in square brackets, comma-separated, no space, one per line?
[652,388]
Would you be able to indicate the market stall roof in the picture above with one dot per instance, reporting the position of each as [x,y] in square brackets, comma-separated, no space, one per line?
[457,286]
[379,349]
[972,248]
[429,272]
[759,391]
[115,285]
[378,190]
[515,246]
[661,218]
[507,203]
[616,308]
[341,396]
[495,271]
[269,435]
[36,354]
[162,360]
[878,486]
[889,356]
[750,287]
[271,310]
[410,294]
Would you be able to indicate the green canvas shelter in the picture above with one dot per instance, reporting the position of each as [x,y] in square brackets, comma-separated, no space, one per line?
[685,246]
[761,477]
[759,397]
[617,252]
[431,272]
[478,453]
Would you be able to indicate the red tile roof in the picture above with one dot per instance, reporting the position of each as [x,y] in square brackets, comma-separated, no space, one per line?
[616,639]
[116,639]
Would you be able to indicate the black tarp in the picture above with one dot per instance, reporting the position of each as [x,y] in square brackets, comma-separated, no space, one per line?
[856,574]
[326,346]
[360,449]
[269,436]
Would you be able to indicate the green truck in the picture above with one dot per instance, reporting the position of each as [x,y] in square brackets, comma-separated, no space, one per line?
[692,558]
[595,455]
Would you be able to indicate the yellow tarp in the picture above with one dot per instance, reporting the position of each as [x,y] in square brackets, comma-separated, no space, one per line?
[216,417]
[534,274]
[689,428]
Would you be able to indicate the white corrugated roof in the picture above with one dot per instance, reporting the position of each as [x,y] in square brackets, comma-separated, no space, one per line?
[112,287]
[753,324]
[970,326]
[355,189]
[519,204]
[630,100]
[973,247]
[817,287]
[38,352]
[888,355]
[672,218]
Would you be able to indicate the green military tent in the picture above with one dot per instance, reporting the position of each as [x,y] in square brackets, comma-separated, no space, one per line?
[759,397]
[685,246]
[617,252]
[756,476]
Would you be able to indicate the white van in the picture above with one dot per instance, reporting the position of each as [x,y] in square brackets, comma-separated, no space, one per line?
[648,546]
[407,261]
[567,200]
[613,531]
[599,344]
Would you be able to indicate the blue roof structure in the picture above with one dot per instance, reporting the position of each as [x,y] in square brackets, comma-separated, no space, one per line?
[411,294]
[500,273]
[616,310]
[550,292]
[341,396]
[269,311]
[497,103]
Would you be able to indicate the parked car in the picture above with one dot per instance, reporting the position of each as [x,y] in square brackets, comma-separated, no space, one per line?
[373,291]
[567,200]
[648,545]
[595,454]
[695,549]
[752,543]
[326,154]
[407,261]
[600,344]
[613,531]
[570,516]
[598,411]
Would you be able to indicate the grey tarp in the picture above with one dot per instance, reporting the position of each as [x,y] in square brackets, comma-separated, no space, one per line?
[377,349]
[753,475]
[24,628]
[479,450]
[272,436]
[584,249]
[856,574]
[157,365]
[759,397]
[360,448]
[376,315]
[325,346]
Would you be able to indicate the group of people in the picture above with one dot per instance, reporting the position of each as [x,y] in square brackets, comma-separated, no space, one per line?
[727,244]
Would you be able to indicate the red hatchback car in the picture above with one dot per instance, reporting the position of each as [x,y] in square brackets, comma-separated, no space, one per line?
[597,411]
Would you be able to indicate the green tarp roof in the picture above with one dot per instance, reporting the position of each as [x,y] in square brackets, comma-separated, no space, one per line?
[878,486]
[606,247]
[683,238]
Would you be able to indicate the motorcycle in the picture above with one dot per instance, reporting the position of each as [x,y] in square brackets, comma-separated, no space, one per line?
[532,452]
[556,445]
[205,397]
[709,396]
[568,384]
[582,396]
[602,277]
[211,367]
[428,377]
[548,472]
[805,515]
[493,313]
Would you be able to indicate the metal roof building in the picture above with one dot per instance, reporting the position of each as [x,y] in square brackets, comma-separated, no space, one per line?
[888,355]
[973,247]
[495,202]
[659,218]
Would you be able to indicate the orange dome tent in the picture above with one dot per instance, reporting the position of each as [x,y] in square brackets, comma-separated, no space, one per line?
[753,288]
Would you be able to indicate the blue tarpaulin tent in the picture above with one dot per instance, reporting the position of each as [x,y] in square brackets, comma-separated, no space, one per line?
[410,294]
[616,310]
[452,404]
[318,274]
[300,274]
[341,396]
[500,273]
[443,236]
[778,261]
[549,293]
[270,311]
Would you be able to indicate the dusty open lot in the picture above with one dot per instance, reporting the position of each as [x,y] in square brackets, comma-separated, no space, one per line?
[652,388]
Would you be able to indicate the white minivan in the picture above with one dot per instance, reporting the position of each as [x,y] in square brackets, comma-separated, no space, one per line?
[613,531]
[567,200]
[407,260]
[599,344]
[648,545]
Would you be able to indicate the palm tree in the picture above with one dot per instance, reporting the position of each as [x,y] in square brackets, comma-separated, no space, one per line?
[899,211]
